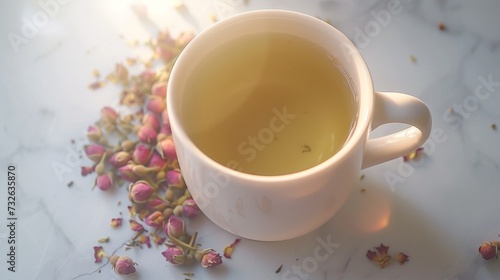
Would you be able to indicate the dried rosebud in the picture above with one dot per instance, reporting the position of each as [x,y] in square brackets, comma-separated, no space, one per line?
[123,265]
[165,120]
[381,260]
[119,159]
[488,251]
[94,134]
[164,38]
[99,254]
[86,170]
[104,182]
[121,72]
[190,209]
[148,76]
[159,89]
[141,154]
[126,173]
[174,255]
[156,104]
[128,145]
[141,191]
[166,149]
[116,222]
[109,116]
[174,178]
[210,258]
[156,204]
[141,170]
[402,258]
[147,134]
[155,219]
[157,161]
[152,120]
[101,165]
[145,240]
[165,53]
[175,227]
[94,152]
[135,226]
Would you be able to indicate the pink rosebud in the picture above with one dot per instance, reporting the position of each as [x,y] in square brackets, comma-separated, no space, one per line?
[157,161]
[155,204]
[210,259]
[190,209]
[174,178]
[141,191]
[109,114]
[165,120]
[152,120]
[154,220]
[104,182]
[120,159]
[175,227]
[147,134]
[165,53]
[121,72]
[123,265]
[126,172]
[94,134]
[148,76]
[141,154]
[488,250]
[94,152]
[159,89]
[174,255]
[156,104]
[135,226]
[166,149]
[86,170]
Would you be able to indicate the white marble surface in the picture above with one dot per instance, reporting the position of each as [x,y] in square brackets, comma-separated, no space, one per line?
[437,210]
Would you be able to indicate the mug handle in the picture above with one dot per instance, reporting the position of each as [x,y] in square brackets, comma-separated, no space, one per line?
[393,107]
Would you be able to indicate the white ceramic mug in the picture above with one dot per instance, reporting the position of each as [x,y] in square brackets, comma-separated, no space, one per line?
[270,208]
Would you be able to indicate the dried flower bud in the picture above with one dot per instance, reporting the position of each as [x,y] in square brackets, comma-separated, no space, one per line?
[101,165]
[174,178]
[488,251]
[152,120]
[104,182]
[123,265]
[155,219]
[126,173]
[165,120]
[86,170]
[142,171]
[147,134]
[178,210]
[116,222]
[174,255]
[141,154]
[190,209]
[175,227]
[209,258]
[128,145]
[148,76]
[159,89]
[135,226]
[156,104]
[157,161]
[166,149]
[94,134]
[141,191]
[165,53]
[119,159]
[156,204]
[94,152]
[109,114]
[167,213]
[164,39]
[121,72]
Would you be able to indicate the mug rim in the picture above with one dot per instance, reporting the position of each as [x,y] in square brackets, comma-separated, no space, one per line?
[364,104]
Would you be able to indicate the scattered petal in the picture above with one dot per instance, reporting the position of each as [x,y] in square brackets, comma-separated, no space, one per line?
[414,155]
[98,254]
[144,240]
[135,226]
[228,251]
[116,222]
[103,240]
[402,258]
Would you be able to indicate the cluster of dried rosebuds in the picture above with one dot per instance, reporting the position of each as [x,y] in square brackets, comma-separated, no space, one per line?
[382,258]
[122,265]
[144,157]
[489,250]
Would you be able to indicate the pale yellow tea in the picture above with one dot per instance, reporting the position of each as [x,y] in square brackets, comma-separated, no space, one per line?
[269,104]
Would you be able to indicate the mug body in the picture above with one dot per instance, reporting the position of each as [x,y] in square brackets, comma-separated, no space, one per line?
[270,208]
